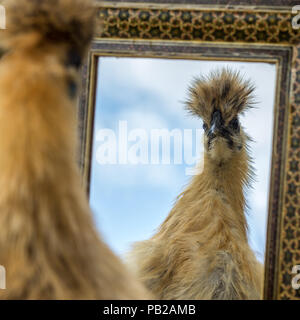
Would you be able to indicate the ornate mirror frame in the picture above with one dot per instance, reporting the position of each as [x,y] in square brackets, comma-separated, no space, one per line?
[216,30]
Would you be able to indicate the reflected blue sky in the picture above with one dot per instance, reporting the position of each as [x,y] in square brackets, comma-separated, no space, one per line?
[130,201]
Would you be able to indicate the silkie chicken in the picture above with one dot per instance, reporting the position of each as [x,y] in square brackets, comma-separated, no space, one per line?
[201,250]
[48,243]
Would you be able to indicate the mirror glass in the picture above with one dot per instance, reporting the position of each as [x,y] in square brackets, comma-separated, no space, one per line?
[146,146]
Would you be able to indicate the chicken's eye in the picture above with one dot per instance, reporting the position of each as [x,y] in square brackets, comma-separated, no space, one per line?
[234,124]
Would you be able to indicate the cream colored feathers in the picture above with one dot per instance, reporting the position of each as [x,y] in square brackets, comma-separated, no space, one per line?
[201,250]
[48,242]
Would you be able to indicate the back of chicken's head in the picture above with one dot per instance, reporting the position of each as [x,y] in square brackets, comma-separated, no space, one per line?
[57,31]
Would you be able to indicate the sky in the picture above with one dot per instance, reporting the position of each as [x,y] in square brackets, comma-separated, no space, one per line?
[130,200]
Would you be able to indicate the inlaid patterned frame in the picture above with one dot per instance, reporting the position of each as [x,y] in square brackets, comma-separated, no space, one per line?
[199,29]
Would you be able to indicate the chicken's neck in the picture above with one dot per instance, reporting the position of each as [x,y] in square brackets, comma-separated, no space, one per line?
[228,178]
[214,198]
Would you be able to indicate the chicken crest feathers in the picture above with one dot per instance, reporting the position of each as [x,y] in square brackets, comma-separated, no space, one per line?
[225,90]
[52,21]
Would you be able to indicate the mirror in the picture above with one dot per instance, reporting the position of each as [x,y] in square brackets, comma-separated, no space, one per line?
[146,146]
[260,37]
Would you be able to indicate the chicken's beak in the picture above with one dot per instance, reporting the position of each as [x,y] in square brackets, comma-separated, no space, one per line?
[216,124]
